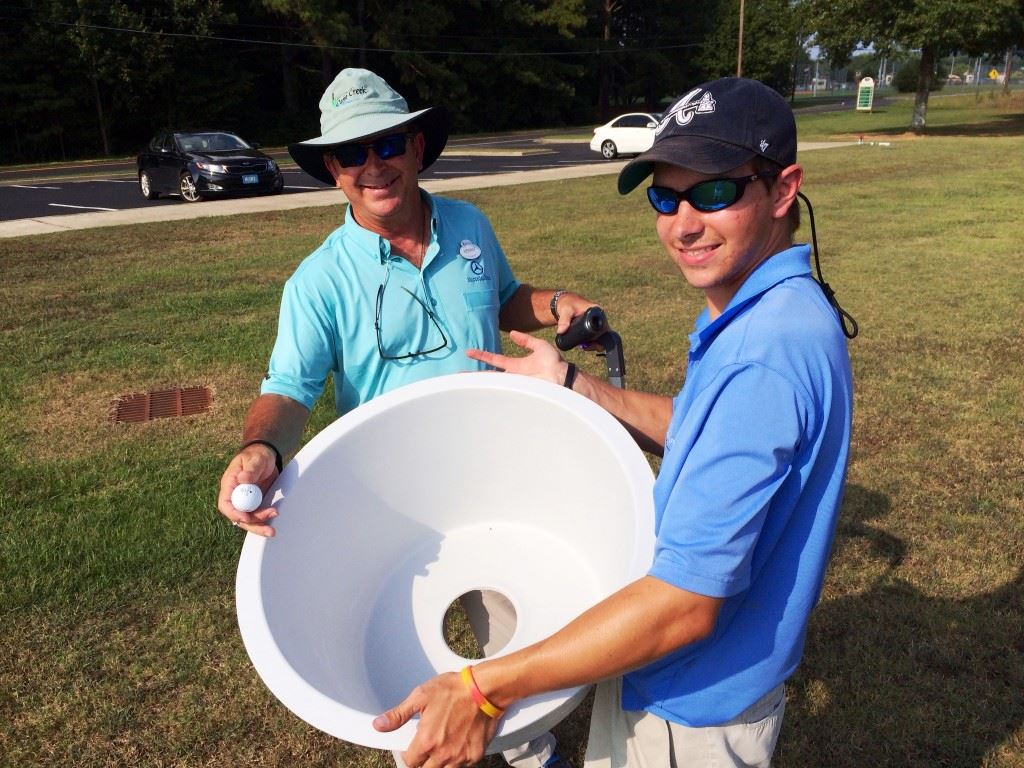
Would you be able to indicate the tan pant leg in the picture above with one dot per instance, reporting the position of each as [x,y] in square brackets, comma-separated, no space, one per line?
[621,739]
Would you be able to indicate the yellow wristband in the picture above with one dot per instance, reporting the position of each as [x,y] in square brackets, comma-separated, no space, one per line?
[479,699]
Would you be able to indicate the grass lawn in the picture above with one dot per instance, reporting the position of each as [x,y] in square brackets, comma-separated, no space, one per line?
[117,607]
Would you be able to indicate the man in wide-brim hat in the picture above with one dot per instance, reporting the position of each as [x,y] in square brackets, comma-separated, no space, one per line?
[397,294]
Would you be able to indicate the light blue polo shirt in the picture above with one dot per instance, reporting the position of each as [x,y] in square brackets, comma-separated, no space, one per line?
[330,306]
[748,494]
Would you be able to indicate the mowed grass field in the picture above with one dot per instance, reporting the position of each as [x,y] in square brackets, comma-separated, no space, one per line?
[117,611]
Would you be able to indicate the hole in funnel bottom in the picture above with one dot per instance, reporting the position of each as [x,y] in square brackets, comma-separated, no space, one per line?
[479,623]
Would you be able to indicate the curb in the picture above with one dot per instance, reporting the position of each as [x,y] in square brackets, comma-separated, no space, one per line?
[209,208]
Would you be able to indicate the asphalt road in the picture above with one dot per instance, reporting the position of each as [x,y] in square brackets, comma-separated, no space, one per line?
[112,185]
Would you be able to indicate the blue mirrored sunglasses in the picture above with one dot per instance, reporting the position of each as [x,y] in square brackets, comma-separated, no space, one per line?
[704,196]
[386,147]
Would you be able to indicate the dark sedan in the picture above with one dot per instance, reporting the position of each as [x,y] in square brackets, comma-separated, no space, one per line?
[200,164]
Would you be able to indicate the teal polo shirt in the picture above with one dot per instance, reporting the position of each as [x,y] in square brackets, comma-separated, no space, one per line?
[330,306]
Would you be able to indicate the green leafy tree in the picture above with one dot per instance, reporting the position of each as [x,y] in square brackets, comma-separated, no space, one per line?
[933,27]
[40,115]
[771,41]
[326,24]
[649,51]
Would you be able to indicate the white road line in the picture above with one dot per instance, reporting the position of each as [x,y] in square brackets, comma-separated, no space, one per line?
[84,207]
[116,181]
[455,173]
[26,186]
[296,186]
[520,140]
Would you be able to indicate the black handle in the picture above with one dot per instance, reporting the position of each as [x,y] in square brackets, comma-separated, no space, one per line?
[584,328]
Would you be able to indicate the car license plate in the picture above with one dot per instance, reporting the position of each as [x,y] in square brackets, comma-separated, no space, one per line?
[250,178]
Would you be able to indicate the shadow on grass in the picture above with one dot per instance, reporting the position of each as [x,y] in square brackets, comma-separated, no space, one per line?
[995,127]
[998,125]
[897,677]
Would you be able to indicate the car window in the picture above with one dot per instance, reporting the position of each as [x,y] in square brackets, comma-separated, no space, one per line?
[632,121]
[220,142]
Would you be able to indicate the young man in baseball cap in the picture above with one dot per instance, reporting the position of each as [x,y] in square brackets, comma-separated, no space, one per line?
[692,658]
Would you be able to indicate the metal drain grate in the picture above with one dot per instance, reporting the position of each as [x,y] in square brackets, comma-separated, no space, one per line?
[161,404]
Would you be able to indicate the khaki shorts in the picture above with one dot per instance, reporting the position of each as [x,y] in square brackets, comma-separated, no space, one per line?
[621,739]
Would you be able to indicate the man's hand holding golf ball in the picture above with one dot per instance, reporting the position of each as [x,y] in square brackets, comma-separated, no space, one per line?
[243,485]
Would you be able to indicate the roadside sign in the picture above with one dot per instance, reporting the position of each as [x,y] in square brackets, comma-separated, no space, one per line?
[865,95]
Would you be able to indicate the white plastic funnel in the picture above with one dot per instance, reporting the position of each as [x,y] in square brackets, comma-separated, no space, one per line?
[473,481]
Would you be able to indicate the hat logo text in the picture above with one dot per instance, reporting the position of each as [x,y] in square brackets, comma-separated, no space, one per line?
[763,145]
[337,101]
[687,108]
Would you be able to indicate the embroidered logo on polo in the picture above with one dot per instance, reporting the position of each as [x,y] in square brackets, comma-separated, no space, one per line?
[688,107]
[337,101]
[477,271]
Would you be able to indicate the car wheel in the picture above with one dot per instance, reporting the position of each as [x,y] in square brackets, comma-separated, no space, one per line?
[188,189]
[608,150]
[146,187]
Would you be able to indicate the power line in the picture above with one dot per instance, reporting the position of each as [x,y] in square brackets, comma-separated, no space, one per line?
[510,54]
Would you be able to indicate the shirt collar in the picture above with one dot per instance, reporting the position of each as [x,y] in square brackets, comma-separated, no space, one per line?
[792,262]
[371,242]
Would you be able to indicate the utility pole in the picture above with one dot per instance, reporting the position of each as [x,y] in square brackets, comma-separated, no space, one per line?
[739,46]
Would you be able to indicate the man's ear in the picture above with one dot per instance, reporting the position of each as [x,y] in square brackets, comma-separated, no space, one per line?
[333,167]
[784,190]
[419,145]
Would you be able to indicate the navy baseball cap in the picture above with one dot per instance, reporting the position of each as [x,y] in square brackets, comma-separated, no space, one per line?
[716,127]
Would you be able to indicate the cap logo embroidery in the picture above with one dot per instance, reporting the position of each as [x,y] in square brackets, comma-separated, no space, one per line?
[763,145]
[685,109]
[337,101]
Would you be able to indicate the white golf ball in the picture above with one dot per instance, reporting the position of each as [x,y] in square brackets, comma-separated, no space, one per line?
[246,497]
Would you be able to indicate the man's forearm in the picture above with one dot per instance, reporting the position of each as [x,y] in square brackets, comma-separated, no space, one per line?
[644,415]
[277,419]
[637,625]
[529,309]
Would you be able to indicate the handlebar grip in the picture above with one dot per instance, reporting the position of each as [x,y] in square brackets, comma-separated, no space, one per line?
[584,328]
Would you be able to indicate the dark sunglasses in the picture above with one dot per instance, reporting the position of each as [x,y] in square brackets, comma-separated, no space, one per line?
[386,147]
[705,196]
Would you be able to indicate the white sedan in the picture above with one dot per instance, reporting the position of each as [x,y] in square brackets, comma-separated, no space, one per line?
[625,135]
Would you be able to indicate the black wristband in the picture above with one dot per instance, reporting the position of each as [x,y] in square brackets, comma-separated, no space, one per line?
[570,376]
[278,462]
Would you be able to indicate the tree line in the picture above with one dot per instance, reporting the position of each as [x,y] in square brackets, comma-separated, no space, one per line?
[86,78]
